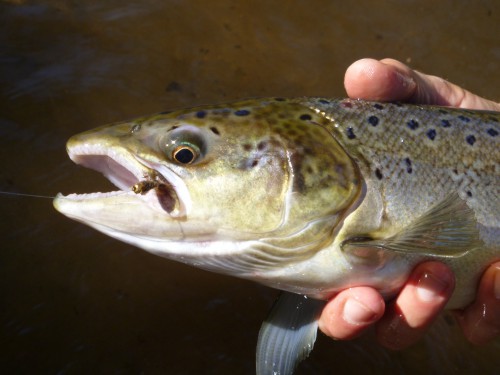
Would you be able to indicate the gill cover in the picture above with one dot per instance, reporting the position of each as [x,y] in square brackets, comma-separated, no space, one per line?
[323,180]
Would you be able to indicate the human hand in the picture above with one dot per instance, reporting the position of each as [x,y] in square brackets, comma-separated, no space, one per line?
[405,320]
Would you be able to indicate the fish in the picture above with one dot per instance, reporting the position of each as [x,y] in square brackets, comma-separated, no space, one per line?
[307,195]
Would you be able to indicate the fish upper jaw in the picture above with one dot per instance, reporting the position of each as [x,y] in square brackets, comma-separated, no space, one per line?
[118,166]
[151,182]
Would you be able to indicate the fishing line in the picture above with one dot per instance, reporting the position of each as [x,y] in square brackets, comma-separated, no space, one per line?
[26,195]
[10,193]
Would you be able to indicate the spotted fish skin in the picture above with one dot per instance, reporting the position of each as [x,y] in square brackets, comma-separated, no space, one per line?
[415,155]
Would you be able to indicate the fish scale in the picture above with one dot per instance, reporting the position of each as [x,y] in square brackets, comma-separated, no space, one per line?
[441,165]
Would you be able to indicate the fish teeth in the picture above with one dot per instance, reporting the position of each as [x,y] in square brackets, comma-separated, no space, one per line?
[85,196]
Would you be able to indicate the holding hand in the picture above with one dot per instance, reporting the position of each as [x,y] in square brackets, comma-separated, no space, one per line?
[404,320]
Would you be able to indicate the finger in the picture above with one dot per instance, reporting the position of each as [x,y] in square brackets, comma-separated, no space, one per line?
[373,80]
[351,312]
[425,294]
[481,320]
[391,80]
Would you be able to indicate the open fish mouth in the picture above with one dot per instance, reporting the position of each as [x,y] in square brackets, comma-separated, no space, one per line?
[150,181]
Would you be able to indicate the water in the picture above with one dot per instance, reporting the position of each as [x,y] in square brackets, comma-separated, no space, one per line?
[73,301]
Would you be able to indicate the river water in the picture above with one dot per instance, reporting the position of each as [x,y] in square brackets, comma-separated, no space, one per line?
[73,301]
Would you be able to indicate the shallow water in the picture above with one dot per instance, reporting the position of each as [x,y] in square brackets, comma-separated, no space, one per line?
[73,301]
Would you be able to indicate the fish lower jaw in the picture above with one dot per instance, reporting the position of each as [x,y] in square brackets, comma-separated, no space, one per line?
[159,202]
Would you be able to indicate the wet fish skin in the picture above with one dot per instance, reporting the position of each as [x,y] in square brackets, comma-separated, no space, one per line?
[404,148]
[308,195]
[412,157]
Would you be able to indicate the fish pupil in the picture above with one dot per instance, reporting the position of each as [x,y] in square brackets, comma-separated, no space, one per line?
[184,155]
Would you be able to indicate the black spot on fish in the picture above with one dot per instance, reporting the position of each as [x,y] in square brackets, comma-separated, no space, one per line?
[261,145]
[373,120]
[246,164]
[215,130]
[469,193]
[201,114]
[445,123]
[350,133]
[378,173]
[463,118]
[324,101]
[470,139]
[242,112]
[280,99]
[305,117]
[378,106]
[299,183]
[409,168]
[247,146]
[492,132]
[308,150]
[431,134]
[135,128]
[412,124]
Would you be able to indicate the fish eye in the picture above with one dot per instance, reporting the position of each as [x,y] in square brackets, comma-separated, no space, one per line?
[184,144]
[185,154]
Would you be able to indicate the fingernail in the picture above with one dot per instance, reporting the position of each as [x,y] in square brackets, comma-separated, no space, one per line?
[496,287]
[430,287]
[357,313]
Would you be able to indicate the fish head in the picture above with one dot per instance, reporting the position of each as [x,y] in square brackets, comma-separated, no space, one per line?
[233,188]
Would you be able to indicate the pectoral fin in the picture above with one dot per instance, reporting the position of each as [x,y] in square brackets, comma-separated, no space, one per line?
[287,336]
[448,229]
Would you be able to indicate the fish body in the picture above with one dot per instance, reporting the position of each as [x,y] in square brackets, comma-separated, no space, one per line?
[307,195]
